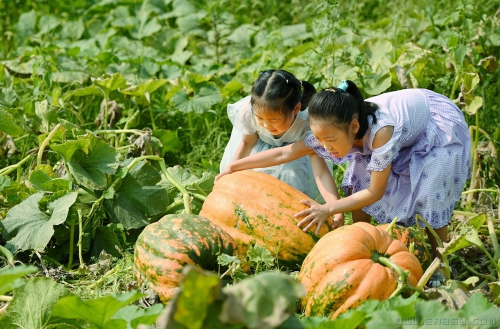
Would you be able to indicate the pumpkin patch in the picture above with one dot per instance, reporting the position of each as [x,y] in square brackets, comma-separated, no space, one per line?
[166,246]
[256,208]
[344,269]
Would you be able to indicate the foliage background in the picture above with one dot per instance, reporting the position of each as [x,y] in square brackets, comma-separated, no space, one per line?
[137,79]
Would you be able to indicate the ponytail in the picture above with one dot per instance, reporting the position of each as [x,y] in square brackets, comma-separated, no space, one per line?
[307,94]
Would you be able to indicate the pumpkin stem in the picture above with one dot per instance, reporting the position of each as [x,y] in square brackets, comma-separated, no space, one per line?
[403,275]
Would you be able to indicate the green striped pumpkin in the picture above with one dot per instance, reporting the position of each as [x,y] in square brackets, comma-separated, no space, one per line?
[165,247]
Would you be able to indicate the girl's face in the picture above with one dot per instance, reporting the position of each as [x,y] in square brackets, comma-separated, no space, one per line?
[335,140]
[276,123]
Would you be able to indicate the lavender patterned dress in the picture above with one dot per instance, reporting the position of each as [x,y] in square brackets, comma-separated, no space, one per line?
[430,151]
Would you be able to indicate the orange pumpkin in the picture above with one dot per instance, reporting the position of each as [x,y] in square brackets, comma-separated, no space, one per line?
[257,208]
[343,269]
[405,235]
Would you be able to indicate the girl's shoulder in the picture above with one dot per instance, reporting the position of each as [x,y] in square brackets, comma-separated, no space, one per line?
[240,111]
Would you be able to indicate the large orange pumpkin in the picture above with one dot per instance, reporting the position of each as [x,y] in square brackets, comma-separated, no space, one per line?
[257,208]
[405,235]
[163,249]
[342,270]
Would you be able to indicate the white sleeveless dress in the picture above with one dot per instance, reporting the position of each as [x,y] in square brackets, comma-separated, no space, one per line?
[297,173]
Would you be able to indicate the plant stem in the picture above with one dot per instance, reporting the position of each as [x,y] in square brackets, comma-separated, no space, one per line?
[403,275]
[71,242]
[45,143]
[428,273]
[9,169]
[6,298]
[440,244]
[391,225]
[118,131]
[494,239]
[473,271]
[182,189]
[80,237]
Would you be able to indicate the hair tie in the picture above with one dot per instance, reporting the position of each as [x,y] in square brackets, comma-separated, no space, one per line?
[261,72]
[343,85]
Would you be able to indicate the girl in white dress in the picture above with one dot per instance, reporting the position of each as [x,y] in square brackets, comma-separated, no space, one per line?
[274,115]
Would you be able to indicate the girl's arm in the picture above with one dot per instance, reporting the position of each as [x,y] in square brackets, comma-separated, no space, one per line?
[358,200]
[268,158]
[246,146]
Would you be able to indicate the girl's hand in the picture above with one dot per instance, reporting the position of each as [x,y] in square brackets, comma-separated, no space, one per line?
[316,214]
[338,221]
[224,172]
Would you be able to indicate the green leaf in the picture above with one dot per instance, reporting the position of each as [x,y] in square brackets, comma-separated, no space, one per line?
[200,102]
[144,89]
[8,97]
[198,290]
[133,316]
[73,30]
[384,319]
[47,23]
[95,311]
[90,169]
[169,139]
[476,304]
[105,239]
[66,150]
[46,114]
[375,84]
[10,277]
[32,304]
[43,178]
[477,221]
[110,83]
[469,238]
[262,301]
[26,227]
[138,197]
[25,27]
[8,125]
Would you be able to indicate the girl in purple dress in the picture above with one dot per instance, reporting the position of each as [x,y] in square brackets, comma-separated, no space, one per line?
[408,153]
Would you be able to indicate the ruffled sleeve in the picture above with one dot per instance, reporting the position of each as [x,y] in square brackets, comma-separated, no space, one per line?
[381,157]
[240,114]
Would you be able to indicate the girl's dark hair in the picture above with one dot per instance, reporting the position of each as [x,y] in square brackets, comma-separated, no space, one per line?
[340,107]
[279,90]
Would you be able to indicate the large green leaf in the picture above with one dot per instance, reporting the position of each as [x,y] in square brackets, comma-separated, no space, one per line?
[89,160]
[25,27]
[27,227]
[263,301]
[10,277]
[47,23]
[110,83]
[132,316]
[32,304]
[138,198]
[200,102]
[46,114]
[146,27]
[94,311]
[8,125]
[68,148]
[43,178]
[169,139]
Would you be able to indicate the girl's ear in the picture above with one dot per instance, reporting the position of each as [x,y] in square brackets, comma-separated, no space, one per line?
[354,126]
[297,108]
